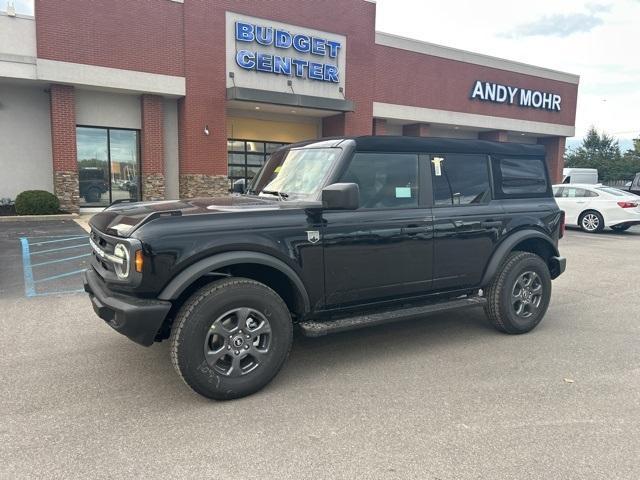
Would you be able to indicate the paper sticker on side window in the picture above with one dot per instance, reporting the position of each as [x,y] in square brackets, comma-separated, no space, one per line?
[403,192]
[437,166]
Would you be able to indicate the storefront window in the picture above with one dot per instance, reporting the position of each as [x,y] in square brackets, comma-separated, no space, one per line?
[246,157]
[108,165]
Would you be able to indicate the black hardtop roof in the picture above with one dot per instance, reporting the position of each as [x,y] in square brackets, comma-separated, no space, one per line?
[445,145]
[387,143]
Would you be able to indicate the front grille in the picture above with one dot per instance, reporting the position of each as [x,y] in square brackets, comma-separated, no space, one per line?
[100,241]
[102,265]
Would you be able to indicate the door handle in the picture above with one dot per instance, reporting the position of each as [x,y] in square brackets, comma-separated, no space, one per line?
[491,224]
[414,230]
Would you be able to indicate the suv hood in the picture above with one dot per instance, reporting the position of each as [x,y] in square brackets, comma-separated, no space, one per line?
[122,219]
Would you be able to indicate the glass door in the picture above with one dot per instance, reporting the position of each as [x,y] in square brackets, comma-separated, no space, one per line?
[108,165]
[246,157]
[93,166]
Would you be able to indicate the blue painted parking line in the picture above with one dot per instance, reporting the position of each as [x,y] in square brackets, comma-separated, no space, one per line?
[59,260]
[50,236]
[61,292]
[46,276]
[59,240]
[59,248]
[29,287]
[61,275]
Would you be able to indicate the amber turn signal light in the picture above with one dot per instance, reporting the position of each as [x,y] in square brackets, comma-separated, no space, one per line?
[139,261]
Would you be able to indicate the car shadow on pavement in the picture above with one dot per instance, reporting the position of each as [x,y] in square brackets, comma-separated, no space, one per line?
[403,337]
[632,232]
[356,350]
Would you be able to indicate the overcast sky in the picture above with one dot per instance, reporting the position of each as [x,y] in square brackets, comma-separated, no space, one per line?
[598,40]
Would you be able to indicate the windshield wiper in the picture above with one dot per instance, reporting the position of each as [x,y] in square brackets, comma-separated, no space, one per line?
[281,195]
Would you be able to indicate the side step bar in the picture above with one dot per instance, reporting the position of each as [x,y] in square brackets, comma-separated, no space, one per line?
[316,328]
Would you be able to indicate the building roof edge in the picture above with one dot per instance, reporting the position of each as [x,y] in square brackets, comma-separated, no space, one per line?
[427,48]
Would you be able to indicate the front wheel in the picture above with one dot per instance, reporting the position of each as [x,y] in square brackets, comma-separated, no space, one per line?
[519,294]
[230,338]
[591,222]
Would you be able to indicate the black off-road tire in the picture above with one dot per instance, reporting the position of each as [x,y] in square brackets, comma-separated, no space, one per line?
[192,329]
[500,308]
[596,219]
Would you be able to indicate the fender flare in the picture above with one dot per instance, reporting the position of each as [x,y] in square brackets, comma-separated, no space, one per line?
[507,246]
[186,277]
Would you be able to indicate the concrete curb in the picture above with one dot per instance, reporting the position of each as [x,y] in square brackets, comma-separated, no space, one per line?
[83,221]
[38,218]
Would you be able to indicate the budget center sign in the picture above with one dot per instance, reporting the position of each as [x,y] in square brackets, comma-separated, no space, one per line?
[265,55]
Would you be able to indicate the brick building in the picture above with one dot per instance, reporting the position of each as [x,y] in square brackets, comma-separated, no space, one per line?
[159,99]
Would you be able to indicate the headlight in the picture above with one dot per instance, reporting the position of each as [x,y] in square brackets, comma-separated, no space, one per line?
[122,269]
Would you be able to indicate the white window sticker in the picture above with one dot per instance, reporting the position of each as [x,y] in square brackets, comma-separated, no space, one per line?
[437,165]
[403,192]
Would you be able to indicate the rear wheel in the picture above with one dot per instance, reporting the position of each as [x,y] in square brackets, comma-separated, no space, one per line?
[519,294]
[591,222]
[620,228]
[230,338]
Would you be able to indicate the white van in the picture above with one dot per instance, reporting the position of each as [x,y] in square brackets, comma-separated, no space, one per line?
[580,175]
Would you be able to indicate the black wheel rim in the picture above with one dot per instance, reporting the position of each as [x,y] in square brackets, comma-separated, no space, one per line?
[526,295]
[237,342]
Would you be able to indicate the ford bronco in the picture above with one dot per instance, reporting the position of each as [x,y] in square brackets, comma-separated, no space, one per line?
[331,235]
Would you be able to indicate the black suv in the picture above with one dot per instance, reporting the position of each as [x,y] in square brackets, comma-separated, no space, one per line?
[634,185]
[332,235]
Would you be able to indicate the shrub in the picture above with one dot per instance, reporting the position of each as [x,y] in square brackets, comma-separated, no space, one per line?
[37,202]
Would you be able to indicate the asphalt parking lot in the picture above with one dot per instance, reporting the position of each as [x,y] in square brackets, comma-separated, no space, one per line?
[446,397]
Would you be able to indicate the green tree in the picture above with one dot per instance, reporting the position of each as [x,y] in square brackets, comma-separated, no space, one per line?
[632,158]
[601,151]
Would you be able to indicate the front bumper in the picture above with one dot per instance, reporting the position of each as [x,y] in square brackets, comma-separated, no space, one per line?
[136,318]
[557,266]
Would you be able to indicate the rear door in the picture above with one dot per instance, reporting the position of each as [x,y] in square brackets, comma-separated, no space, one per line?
[467,220]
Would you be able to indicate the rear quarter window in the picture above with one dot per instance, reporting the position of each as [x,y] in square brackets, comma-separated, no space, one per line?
[521,177]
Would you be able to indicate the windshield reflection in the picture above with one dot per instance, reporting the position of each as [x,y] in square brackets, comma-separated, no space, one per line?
[296,174]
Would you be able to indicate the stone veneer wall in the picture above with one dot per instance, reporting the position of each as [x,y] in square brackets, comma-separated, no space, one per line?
[200,185]
[65,186]
[153,186]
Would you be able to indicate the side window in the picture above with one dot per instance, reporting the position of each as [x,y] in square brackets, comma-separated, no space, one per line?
[460,179]
[386,180]
[574,193]
[557,192]
[522,176]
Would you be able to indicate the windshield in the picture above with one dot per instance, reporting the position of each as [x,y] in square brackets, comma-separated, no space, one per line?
[296,174]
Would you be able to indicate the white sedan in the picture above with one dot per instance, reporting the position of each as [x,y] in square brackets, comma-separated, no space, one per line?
[592,207]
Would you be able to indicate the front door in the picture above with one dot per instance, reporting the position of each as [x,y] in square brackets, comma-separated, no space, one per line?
[467,221]
[385,248]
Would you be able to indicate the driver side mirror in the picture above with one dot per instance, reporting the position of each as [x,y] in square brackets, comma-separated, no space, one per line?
[341,196]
